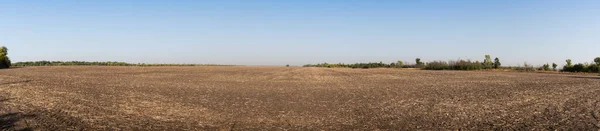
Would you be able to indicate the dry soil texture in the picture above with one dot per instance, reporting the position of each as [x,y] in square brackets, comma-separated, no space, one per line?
[280,98]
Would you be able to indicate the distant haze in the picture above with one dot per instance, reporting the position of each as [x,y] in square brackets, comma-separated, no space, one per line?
[297,32]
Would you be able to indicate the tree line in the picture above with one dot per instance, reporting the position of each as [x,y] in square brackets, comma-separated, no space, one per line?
[398,64]
[582,67]
[435,65]
[109,63]
[487,63]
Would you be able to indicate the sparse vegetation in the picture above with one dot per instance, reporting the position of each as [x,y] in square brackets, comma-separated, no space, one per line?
[525,68]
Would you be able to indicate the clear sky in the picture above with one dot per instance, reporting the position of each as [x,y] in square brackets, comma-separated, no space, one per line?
[278,32]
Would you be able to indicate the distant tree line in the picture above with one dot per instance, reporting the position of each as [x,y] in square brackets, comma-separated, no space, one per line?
[4,60]
[71,63]
[435,65]
[109,63]
[582,67]
[464,64]
[487,63]
[398,64]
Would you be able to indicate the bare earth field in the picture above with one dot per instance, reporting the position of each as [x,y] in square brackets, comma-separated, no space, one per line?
[279,98]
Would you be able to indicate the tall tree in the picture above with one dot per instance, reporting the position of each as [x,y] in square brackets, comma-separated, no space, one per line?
[4,60]
[569,64]
[488,62]
[497,63]
[554,65]
[597,60]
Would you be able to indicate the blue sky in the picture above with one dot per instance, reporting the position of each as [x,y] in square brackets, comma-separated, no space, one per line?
[278,32]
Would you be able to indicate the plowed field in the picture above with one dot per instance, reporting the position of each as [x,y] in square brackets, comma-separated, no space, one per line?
[280,98]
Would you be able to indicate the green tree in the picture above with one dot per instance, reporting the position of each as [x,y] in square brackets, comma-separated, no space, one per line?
[4,60]
[487,62]
[597,60]
[497,63]
[419,63]
[546,67]
[569,64]
[578,67]
[554,65]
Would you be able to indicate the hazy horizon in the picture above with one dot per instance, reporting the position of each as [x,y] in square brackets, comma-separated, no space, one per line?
[266,32]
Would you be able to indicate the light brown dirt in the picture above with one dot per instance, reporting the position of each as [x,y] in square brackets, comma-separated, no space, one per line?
[279,98]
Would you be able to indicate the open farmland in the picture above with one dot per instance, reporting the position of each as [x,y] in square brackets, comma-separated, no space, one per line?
[279,98]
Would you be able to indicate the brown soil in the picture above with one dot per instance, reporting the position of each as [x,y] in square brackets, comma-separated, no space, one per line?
[279,98]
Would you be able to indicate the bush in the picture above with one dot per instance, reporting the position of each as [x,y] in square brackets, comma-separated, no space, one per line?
[526,67]
[410,66]
[593,68]
[578,67]
[546,67]
[437,65]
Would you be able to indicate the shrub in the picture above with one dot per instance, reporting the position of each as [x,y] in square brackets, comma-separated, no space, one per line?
[554,65]
[593,68]
[437,65]
[526,67]
[399,64]
[546,67]
[578,67]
